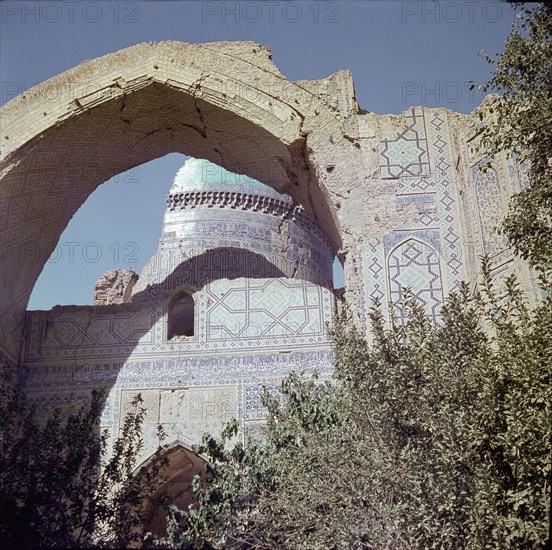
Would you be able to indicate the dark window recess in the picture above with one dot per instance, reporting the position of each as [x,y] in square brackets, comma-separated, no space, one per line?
[181,317]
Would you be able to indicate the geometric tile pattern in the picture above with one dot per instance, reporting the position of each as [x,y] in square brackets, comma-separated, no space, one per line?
[407,154]
[415,265]
[230,315]
[411,185]
[375,271]
[264,308]
[73,332]
[420,158]
[253,397]
[491,214]
[451,250]
[426,208]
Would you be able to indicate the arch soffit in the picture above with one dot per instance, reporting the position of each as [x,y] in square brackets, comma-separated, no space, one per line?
[234,78]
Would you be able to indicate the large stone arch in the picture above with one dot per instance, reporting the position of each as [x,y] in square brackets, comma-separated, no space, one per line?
[226,102]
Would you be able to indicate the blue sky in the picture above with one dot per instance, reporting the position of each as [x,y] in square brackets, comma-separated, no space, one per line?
[400,54]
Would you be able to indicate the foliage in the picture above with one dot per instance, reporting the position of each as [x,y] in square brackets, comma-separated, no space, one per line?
[519,121]
[57,486]
[432,436]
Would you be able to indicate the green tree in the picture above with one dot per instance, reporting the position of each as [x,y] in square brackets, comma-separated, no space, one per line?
[60,484]
[433,436]
[519,122]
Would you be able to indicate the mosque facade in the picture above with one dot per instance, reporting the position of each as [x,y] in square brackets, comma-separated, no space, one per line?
[238,295]
[239,292]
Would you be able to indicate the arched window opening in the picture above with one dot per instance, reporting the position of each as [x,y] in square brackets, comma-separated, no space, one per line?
[181,316]
[338,274]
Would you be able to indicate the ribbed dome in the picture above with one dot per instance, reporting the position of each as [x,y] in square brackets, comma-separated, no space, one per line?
[203,175]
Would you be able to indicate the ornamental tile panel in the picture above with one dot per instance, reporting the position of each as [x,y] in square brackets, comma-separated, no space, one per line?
[407,154]
[491,214]
[240,314]
[415,265]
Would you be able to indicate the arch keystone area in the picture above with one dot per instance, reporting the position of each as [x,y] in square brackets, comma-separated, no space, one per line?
[226,102]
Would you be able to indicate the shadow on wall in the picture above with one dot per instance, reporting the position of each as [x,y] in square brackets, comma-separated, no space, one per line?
[211,265]
[71,379]
[182,466]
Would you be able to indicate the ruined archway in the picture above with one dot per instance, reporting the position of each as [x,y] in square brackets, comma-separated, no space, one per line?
[176,489]
[226,102]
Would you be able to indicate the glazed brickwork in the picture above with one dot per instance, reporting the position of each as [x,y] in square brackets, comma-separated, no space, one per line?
[400,198]
[256,318]
[490,210]
[187,395]
[453,210]
[253,315]
[230,231]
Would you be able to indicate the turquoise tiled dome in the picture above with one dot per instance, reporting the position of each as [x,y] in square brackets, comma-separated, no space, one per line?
[203,175]
[235,227]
